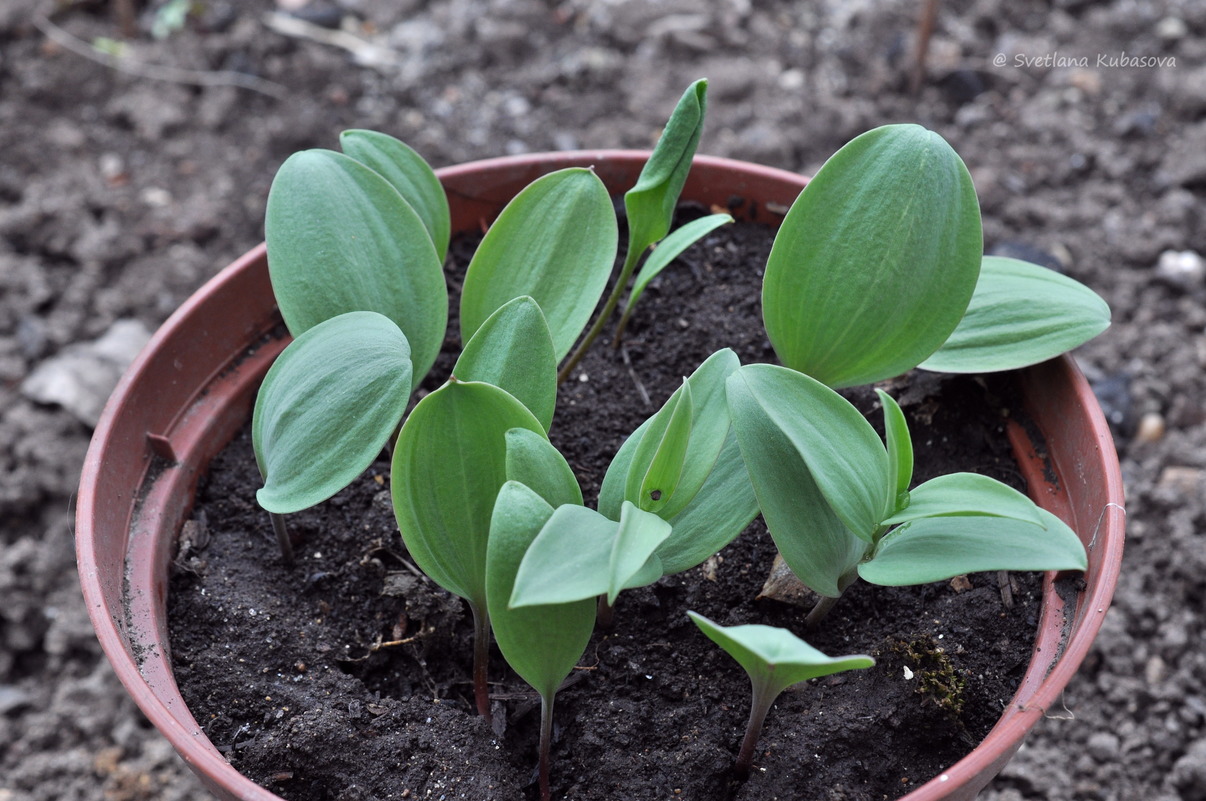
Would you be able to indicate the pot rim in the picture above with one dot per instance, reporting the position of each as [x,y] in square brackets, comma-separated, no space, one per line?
[478,195]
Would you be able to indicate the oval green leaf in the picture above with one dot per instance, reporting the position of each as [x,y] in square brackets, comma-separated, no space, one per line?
[541,643]
[341,239]
[555,241]
[513,350]
[1020,314]
[939,548]
[410,174]
[327,406]
[962,494]
[449,463]
[877,259]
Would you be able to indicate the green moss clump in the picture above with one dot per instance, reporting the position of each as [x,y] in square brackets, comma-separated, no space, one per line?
[935,675]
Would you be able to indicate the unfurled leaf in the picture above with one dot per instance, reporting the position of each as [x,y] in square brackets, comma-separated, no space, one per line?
[555,241]
[341,239]
[407,172]
[773,657]
[877,259]
[449,462]
[962,494]
[939,548]
[514,350]
[327,406]
[581,554]
[1020,314]
[541,643]
[536,463]
[900,450]
[650,203]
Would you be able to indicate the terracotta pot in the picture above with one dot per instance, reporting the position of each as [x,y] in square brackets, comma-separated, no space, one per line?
[193,387]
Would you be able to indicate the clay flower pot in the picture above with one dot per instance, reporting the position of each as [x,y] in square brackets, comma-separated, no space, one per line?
[193,387]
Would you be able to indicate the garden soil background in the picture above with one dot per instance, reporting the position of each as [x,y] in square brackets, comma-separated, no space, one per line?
[127,181]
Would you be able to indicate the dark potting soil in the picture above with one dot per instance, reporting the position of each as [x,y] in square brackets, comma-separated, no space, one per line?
[347,676]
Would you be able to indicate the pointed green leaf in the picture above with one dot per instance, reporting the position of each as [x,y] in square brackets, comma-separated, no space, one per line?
[535,462]
[650,203]
[664,449]
[939,548]
[670,249]
[775,658]
[900,449]
[449,462]
[1020,314]
[962,494]
[847,460]
[541,643]
[514,350]
[340,239]
[877,259]
[407,172]
[327,407]
[555,241]
[581,554]
[814,542]
[709,427]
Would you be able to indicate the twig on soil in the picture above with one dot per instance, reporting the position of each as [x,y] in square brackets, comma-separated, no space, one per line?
[636,379]
[158,72]
[364,52]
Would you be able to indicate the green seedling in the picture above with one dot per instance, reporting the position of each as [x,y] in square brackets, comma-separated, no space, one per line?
[836,500]
[650,204]
[541,643]
[676,493]
[775,659]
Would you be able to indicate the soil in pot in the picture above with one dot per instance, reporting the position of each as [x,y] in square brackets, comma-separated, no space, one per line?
[347,676]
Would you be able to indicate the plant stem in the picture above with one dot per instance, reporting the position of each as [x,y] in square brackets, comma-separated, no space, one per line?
[282,537]
[605,614]
[819,612]
[481,659]
[546,742]
[760,705]
[630,261]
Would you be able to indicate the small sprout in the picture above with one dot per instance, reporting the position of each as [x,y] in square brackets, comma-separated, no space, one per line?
[662,255]
[774,659]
